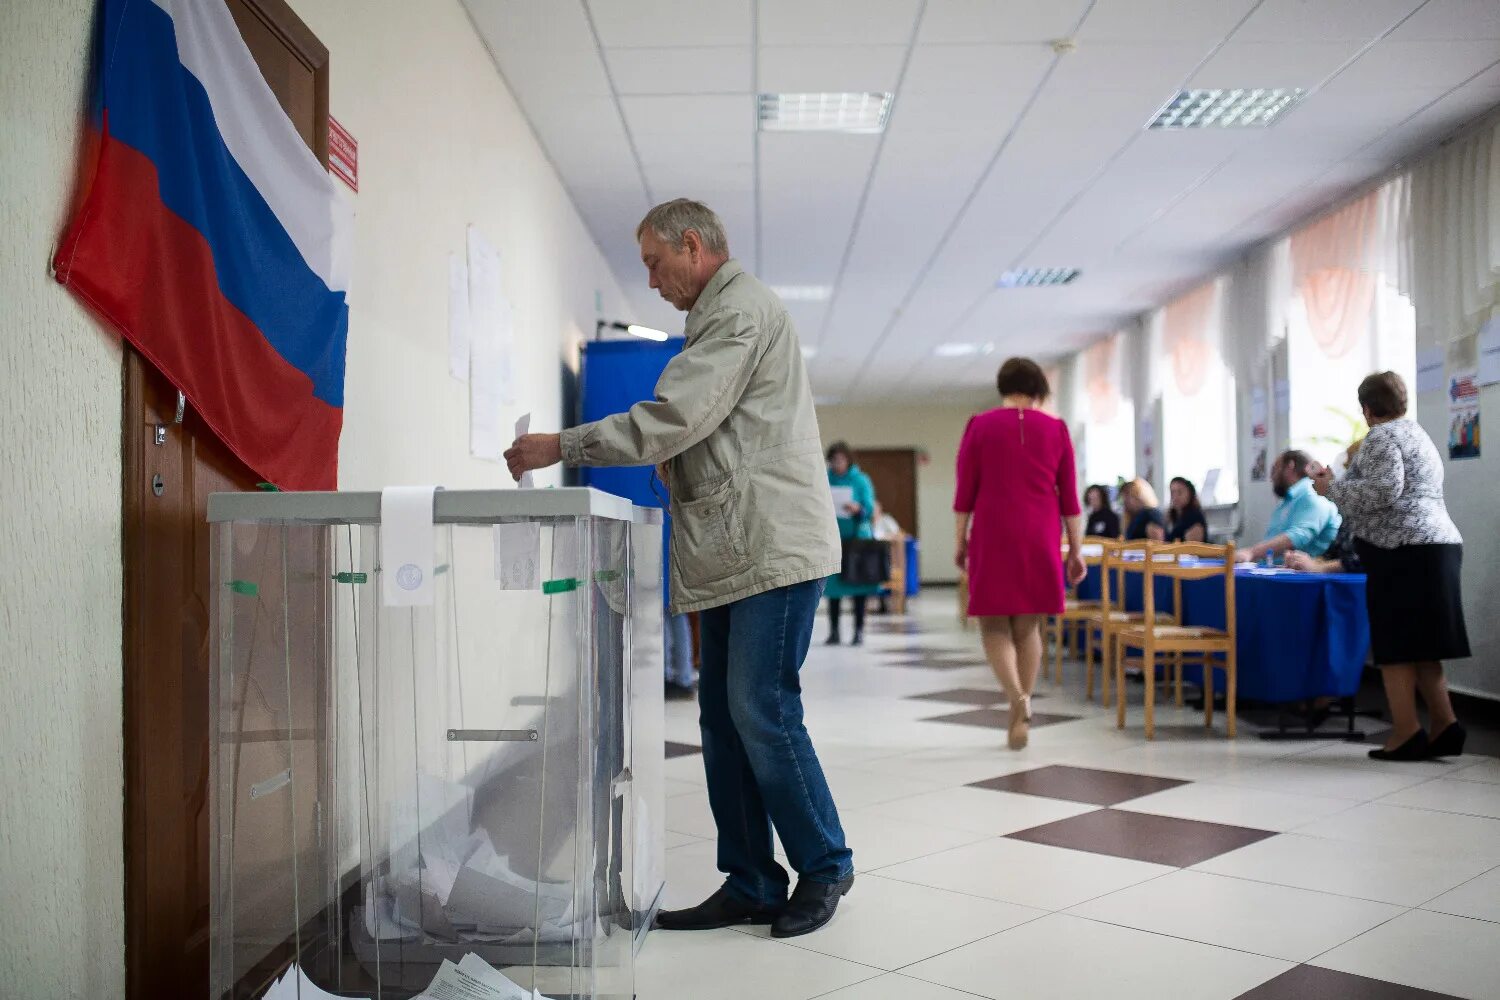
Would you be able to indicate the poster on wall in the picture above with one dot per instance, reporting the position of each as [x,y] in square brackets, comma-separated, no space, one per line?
[1489,351]
[1463,414]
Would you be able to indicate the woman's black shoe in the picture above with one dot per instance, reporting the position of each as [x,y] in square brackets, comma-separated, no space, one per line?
[1449,742]
[833,638]
[1416,748]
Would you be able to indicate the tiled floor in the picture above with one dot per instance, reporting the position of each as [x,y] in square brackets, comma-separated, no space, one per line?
[1092,863]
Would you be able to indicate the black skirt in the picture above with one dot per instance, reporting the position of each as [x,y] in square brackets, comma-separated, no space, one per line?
[1415,600]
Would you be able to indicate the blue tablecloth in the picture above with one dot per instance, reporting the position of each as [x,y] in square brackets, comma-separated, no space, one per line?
[1299,635]
[1089,590]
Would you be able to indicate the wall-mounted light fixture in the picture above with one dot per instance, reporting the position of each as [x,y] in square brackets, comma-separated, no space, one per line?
[644,332]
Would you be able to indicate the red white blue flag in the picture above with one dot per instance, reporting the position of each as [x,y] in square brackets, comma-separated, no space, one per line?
[212,238]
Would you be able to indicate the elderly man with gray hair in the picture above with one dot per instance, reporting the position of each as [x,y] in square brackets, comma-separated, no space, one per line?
[753,540]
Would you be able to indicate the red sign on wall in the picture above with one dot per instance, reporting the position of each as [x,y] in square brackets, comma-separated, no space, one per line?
[343,154]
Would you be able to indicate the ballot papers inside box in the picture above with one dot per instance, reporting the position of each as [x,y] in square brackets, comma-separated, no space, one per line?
[437,742]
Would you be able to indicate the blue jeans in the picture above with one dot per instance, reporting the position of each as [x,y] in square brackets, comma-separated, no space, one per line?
[679,640]
[761,766]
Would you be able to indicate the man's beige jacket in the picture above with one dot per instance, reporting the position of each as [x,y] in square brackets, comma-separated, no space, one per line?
[733,417]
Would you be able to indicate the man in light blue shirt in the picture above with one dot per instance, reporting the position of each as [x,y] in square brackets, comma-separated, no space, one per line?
[1303,521]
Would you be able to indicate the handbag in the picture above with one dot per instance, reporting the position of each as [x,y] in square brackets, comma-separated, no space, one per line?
[865,562]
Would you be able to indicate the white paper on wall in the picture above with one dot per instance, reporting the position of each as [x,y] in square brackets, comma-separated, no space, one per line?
[1430,363]
[490,382]
[458,318]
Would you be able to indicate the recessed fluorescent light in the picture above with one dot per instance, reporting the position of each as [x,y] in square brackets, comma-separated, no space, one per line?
[1037,277]
[646,333]
[962,350]
[802,293]
[1249,108]
[863,113]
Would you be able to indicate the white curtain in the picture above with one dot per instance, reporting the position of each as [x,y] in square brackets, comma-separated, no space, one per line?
[1455,243]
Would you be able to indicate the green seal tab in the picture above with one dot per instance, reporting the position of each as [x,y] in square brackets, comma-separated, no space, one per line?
[351,578]
[560,586]
[244,587]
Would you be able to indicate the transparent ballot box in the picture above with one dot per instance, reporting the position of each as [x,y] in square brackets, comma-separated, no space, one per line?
[466,791]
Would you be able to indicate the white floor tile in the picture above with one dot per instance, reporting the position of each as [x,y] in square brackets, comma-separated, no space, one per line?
[1470,798]
[1271,920]
[950,768]
[1477,769]
[1432,951]
[673,787]
[890,924]
[724,965]
[691,814]
[1478,898]
[1330,778]
[1036,875]
[894,987]
[1406,875]
[855,789]
[688,769]
[672,838]
[1064,958]
[981,810]
[1438,833]
[879,840]
[1251,807]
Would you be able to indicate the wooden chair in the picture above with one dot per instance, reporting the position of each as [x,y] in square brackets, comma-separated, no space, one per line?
[1155,636]
[1063,628]
[1111,617]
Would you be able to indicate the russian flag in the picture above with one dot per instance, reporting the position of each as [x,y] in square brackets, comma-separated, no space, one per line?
[213,239]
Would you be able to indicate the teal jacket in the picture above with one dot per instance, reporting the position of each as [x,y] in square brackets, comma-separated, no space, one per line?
[1310,521]
[864,495]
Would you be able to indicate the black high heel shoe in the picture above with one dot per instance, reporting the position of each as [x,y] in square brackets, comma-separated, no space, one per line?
[1416,748]
[1449,742]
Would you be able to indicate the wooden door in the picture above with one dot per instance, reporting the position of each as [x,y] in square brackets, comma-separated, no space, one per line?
[172,462]
[894,473]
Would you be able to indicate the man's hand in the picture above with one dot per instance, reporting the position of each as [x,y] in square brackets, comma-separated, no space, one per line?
[533,451]
[1245,555]
[662,474]
[1301,562]
[852,509]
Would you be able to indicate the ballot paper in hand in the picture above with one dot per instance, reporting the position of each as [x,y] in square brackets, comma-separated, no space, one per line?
[523,428]
[842,496]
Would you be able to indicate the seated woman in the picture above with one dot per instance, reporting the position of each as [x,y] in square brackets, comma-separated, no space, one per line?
[1103,522]
[1143,518]
[1341,557]
[1185,521]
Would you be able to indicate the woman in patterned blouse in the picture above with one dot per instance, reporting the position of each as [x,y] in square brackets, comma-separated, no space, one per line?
[1412,554]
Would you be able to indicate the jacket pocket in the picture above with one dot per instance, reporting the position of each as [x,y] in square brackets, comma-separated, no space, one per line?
[709,541]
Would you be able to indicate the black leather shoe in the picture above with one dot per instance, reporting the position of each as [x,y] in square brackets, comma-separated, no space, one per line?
[719,910]
[812,905]
[680,692]
[1416,748]
[1449,742]
[832,640]
[859,639]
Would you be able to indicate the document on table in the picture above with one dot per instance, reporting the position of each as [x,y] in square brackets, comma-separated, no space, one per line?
[842,495]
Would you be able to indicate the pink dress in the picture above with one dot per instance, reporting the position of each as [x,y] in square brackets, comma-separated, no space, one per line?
[1015,475]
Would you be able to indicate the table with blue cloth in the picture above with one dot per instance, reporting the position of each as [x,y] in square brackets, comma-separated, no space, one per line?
[1299,635]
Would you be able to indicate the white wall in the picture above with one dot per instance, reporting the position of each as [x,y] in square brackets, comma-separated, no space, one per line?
[442,144]
[1469,488]
[61,825]
[938,430]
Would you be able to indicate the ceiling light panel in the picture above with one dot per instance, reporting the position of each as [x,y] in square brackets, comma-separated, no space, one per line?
[1250,108]
[860,113]
[1037,277]
[962,350]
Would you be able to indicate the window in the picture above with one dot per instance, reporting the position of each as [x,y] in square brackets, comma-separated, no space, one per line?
[1198,435]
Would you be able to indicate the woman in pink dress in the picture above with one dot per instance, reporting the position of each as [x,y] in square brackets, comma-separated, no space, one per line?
[1015,479]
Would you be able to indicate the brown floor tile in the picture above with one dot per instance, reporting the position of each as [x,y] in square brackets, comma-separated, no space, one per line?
[1080,784]
[998,718]
[964,696]
[924,663]
[1308,982]
[681,749]
[1161,840]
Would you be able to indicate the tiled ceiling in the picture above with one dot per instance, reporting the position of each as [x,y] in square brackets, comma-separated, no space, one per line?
[1001,152]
